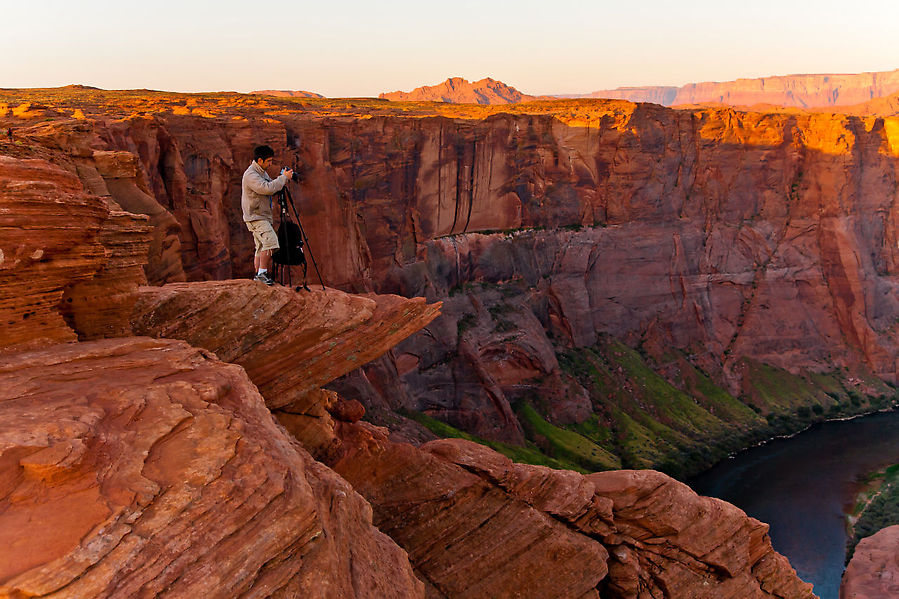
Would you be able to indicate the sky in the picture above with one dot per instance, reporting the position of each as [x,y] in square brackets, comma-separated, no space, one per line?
[363,48]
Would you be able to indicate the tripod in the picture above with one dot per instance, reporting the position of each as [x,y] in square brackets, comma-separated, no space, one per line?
[292,238]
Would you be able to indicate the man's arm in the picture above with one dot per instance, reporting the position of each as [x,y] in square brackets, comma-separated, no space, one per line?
[257,183]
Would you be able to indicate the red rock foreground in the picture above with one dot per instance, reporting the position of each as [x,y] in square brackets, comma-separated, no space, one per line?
[476,524]
[136,467]
[873,572]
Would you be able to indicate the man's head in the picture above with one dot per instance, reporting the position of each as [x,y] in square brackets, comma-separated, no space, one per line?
[263,156]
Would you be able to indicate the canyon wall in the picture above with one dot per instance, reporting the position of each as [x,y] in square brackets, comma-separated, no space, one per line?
[730,249]
[132,466]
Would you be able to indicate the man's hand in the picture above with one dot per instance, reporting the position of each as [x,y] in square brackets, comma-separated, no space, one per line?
[287,172]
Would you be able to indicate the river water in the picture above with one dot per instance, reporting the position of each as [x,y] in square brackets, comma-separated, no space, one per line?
[804,486]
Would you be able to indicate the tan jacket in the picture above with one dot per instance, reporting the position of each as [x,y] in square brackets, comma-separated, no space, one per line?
[256,193]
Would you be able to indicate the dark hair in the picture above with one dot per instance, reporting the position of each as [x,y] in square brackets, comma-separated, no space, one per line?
[263,152]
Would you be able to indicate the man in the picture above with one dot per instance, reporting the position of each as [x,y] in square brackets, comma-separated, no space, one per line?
[256,203]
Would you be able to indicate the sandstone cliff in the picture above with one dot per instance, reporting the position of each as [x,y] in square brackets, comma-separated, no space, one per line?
[734,250]
[803,91]
[135,466]
[477,525]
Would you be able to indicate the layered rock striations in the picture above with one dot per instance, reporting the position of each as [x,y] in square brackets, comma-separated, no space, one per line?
[290,343]
[803,91]
[135,467]
[476,524]
[65,256]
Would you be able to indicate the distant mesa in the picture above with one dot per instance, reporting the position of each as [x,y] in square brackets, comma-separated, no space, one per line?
[286,93]
[885,106]
[457,90]
[802,91]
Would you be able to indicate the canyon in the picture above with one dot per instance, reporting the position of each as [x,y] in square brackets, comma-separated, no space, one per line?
[591,256]
[619,285]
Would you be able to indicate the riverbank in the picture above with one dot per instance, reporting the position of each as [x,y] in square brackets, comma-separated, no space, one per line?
[876,506]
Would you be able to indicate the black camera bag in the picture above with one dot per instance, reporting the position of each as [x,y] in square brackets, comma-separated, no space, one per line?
[290,238]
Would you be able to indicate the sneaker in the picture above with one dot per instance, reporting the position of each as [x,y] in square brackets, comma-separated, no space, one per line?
[264,278]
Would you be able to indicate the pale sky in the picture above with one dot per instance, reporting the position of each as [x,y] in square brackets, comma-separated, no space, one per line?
[354,48]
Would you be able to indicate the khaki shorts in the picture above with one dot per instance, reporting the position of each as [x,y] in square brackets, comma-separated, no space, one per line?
[263,235]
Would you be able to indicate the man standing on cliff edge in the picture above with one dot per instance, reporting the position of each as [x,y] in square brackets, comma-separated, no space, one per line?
[256,203]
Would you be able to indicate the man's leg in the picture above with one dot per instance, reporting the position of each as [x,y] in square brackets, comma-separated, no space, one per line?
[265,259]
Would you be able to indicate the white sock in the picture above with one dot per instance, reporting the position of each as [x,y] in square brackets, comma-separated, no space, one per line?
[261,270]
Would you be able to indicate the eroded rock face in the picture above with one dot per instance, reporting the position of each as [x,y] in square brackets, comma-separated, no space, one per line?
[464,536]
[290,343]
[140,467]
[476,524]
[873,572]
[68,259]
[717,233]
[726,234]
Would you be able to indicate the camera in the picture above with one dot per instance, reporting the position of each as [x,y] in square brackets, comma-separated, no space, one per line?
[296,173]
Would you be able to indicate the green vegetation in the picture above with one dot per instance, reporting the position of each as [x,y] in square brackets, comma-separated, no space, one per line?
[564,444]
[680,423]
[650,422]
[525,455]
[878,507]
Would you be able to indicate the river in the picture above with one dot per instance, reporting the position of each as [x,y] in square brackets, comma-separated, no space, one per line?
[803,487]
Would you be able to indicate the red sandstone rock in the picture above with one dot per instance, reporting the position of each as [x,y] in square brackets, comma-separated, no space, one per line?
[122,174]
[662,539]
[465,537]
[136,467]
[873,572]
[63,253]
[290,343]
[667,537]
[348,410]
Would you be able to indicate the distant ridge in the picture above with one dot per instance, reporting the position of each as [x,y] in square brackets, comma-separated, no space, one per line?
[457,90]
[885,106]
[802,91]
[286,93]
